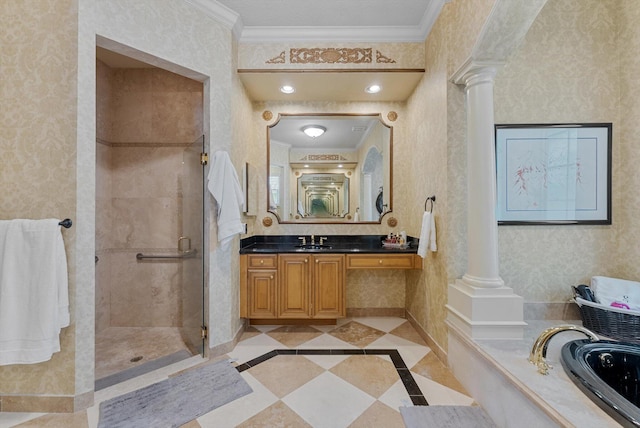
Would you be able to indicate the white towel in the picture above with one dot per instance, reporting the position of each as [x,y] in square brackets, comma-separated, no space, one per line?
[356,217]
[619,291]
[34,294]
[300,208]
[224,186]
[427,235]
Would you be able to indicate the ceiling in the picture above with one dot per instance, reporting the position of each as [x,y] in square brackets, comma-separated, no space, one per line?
[344,20]
[344,132]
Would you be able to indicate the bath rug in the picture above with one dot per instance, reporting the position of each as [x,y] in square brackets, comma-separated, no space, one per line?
[445,417]
[177,400]
[145,368]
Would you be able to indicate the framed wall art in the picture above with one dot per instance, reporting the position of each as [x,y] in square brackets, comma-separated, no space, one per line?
[553,173]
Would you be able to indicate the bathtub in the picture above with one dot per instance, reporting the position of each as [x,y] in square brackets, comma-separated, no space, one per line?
[609,374]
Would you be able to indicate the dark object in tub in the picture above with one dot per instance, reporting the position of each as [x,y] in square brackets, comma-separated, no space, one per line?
[584,292]
[608,373]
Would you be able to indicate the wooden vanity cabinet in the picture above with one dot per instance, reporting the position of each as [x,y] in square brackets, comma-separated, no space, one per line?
[293,286]
[329,285]
[311,286]
[258,286]
[306,286]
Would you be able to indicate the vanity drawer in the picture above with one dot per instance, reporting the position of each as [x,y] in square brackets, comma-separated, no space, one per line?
[383,261]
[263,261]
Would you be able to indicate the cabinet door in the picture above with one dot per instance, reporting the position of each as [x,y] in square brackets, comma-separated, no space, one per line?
[262,293]
[328,286]
[294,286]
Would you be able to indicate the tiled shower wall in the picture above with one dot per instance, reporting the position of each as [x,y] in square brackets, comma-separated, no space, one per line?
[145,119]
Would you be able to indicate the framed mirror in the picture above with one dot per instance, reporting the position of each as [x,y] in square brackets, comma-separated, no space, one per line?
[342,173]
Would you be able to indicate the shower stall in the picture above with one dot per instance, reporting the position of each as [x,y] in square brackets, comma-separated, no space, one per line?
[149,218]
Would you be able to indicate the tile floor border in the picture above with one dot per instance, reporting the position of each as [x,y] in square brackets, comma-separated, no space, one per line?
[416,395]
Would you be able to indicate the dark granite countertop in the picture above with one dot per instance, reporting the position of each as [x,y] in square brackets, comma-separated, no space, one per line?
[361,244]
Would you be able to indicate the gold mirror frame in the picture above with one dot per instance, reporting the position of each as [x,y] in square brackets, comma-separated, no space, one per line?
[379,200]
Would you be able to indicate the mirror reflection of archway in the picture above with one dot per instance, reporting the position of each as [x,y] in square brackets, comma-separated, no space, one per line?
[372,179]
[323,195]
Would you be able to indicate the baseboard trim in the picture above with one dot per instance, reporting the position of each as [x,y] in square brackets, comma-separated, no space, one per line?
[435,347]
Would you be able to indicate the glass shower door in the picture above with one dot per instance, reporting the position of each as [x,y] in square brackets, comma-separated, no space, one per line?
[191,243]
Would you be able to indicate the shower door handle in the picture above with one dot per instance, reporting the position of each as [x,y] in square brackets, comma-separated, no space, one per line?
[180,246]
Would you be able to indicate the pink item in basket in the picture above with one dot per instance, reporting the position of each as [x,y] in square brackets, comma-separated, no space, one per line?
[620,305]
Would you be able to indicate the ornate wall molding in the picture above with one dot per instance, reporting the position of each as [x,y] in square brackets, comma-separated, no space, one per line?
[330,56]
[323,157]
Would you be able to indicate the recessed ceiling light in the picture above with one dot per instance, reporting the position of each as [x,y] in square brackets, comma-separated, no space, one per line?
[373,89]
[314,131]
[287,89]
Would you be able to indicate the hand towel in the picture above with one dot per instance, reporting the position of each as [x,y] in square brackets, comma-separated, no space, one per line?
[34,296]
[610,291]
[224,186]
[356,217]
[427,235]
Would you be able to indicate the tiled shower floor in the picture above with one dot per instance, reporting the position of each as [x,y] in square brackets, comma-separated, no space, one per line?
[122,348]
[310,390]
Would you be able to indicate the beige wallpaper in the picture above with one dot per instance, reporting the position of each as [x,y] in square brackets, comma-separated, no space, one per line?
[627,180]
[38,152]
[569,70]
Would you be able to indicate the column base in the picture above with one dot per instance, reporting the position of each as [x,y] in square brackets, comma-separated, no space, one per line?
[485,313]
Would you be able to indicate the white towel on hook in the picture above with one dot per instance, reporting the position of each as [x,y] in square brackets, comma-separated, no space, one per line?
[356,217]
[427,235]
[34,293]
[225,187]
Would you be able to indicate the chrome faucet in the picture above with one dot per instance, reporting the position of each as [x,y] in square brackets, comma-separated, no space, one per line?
[313,240]
[539,350]
[322,239]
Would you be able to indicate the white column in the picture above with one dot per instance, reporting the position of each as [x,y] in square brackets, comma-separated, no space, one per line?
[482,228]
[480,304]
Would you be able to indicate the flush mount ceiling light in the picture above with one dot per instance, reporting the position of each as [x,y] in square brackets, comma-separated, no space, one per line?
[287,89]
[373,89]
[314,131]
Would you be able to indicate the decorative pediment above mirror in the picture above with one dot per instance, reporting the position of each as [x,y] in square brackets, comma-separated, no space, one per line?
[342,175]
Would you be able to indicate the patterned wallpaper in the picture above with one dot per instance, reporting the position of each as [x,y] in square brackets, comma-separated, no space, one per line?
[569,70]
[38,152]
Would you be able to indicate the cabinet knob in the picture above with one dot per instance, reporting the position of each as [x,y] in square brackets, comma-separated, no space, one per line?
[306,260]
[317,261]
[271,277]
[380,261]
[261,262]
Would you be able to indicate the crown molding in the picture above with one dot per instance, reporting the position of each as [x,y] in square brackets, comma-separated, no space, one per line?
[262,34]
[416,33]
[331,34]
[220,13]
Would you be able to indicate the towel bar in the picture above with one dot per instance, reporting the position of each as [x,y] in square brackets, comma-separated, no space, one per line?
[184,255]
[66,223]
[432,199]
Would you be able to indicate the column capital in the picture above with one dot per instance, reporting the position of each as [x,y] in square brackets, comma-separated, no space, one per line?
[473,72]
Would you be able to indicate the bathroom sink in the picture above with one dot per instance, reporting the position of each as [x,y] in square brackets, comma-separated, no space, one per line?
[314,247]
[609,374]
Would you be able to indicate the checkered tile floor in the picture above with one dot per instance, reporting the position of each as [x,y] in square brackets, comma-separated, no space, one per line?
[354,374]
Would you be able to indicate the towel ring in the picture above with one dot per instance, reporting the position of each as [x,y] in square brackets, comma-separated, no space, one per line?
[432,199]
